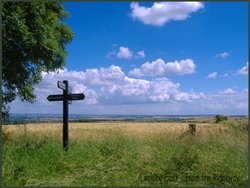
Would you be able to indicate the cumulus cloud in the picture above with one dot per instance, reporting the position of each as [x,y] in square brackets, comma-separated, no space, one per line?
[111,85]
[243,70]
[222,55]
[163,89]
[228,91]
[160,68]
[140,54]
[110,90]
[212,75]
[124,53]
[213,103]
[162,12]
[226,102]
[132,90]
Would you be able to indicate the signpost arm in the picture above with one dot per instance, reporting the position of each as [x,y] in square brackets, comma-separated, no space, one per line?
[65,98]
[65,116]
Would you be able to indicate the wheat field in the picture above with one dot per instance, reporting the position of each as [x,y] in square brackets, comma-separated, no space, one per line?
[95,130]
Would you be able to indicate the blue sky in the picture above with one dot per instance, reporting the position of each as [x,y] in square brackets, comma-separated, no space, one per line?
[153,58]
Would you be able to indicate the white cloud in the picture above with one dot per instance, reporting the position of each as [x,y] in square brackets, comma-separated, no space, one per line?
[161,104]
[107,86]
[222,55]
[140,54]
[212,75]
[110,90]
[162,12]
[242,105]
[133,90]
[224,103]
[224,75]
[245,90]
[124,53]
[243,70]
[228,91]
[111,54]
[91,96]
[160,68]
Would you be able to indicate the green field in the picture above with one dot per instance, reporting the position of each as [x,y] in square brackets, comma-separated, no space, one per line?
[125,154]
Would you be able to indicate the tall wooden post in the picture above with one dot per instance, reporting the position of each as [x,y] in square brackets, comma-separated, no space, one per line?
[65,116]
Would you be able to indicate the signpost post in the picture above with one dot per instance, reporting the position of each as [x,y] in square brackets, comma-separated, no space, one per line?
[65,97]
[65,116]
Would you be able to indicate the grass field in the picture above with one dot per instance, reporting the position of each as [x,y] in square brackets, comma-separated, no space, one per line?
[125,154]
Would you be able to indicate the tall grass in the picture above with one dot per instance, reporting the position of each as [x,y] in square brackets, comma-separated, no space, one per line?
[166,158]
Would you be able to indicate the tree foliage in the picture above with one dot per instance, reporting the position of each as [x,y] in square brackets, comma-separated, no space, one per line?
[34,40]
[219,118]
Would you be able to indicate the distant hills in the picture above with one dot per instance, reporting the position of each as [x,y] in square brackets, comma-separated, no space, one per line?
[38,118]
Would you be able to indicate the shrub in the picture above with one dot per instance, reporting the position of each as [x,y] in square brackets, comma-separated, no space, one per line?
[219,118]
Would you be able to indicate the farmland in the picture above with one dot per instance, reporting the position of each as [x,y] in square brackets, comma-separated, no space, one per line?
[126,153]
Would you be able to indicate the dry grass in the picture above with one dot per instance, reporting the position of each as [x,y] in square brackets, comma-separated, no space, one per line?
[103,130]
[123,153]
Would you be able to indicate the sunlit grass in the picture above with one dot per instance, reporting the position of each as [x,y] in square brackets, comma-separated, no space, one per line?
[123,153]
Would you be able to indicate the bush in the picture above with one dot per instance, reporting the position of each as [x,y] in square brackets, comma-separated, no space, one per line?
[219,118]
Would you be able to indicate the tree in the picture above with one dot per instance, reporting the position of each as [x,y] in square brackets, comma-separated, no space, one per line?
[34,40]
[219,118]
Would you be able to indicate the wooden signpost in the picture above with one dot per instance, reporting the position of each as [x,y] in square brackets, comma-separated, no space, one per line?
[67,98]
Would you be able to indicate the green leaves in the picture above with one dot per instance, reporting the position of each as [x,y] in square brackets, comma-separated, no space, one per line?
[219,118]
[34,40]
